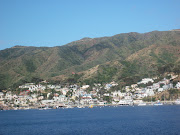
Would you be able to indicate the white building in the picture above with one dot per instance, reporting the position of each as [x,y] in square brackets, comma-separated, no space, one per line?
[1,96]
[178,85]
[106,94]
[85,86]
[46,102]
[9,95]
[64,91]
[146,80]
[61,98]
[116,93]
[156,86]
[168,86]
[160,89]
[51,86]
[149,92]
[108,86]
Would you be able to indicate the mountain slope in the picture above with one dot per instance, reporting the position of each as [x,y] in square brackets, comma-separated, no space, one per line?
[119,57]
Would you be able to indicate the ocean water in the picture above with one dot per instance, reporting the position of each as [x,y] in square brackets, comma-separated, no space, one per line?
[126,120]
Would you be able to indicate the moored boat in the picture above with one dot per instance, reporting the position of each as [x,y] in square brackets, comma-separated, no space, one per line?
[80,106]
[142,104]
[158,103]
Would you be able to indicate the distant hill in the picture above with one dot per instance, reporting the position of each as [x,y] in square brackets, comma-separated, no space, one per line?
[124,57]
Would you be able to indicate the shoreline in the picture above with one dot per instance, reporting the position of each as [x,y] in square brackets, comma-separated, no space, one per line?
[164,103]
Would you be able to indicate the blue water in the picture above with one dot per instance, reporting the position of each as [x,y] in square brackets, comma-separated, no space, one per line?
[147,120]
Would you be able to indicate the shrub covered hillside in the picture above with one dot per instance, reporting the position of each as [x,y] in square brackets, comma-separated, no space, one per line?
[124,57]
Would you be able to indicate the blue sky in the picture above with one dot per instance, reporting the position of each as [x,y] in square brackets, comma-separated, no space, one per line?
[57,22]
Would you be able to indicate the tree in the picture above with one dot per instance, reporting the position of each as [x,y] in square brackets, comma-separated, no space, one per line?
[69,93]
[3,81]
[50,96]
[107,98]
[148,99]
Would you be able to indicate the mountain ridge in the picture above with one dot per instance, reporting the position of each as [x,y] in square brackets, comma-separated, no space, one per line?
[111,58]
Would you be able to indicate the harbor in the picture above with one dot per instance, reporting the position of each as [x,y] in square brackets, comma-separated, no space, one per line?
[63,106]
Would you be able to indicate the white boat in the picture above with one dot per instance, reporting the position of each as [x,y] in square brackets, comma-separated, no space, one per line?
[158,103]
[69,106]
[26,108]
[80,106]
[47,108]
[142,104]
[15,108]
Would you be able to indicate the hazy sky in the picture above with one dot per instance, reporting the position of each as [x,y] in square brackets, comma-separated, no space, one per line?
[57,22]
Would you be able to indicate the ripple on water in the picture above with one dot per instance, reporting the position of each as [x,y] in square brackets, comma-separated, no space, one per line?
[106,120]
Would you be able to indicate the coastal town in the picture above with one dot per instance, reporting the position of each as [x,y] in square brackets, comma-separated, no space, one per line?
[53,96]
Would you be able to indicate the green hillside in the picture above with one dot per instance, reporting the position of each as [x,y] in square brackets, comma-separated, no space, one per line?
[124,57]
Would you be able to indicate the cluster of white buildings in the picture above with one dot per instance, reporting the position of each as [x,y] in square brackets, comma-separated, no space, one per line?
[134,93]
[57,95]
[32,87]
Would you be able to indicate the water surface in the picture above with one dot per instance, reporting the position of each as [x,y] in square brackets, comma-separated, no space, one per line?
[149,120]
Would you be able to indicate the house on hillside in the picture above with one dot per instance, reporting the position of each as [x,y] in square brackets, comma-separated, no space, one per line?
[1,96]
[9,95]
[21,101]
[167,86]
[116,93]
[160,90]
[116,99]
[177,85]
[60,98]
[47,102]
[155,86]
[146,80]
[108,86]
[126,101]
[149,92]
[85,87]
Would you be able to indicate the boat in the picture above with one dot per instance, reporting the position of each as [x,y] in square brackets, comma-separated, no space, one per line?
[69,106]
[142,104]
[15,108]
[151,103]
[26,108]
[158,103]
[80,106]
